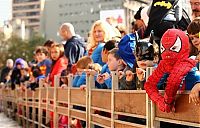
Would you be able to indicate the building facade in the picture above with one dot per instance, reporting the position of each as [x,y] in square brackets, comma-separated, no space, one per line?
[28,12]
[81,13]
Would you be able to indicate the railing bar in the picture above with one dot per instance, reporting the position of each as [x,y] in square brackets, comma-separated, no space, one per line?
[101,109]
[178,122]
[130,124]
[130,114]
[104,126]
[131,91]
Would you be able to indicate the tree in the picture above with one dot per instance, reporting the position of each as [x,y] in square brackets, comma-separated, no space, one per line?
[3,49]
[15,48]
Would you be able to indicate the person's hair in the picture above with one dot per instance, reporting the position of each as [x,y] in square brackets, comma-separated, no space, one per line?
[61,49]
[194,26]
[137,16]
[48,43]
[193,49]
[41,49]
[97,67]
[114,52]
[62,54]
[106,28]
[9,61]
[84,62]
[109,45]
[122,29]
[132,23]
[68,27]
[63,75]
[139,23]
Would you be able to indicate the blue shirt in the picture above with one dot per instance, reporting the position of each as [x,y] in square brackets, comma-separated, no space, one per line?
[105,69]
[47,63]
[108,83]
[191,79]
[79,80]
[96,54]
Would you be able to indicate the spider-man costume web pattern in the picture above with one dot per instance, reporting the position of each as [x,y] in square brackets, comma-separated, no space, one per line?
[175,62]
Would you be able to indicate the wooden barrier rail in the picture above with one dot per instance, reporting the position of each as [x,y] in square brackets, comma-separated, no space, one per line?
[115,103]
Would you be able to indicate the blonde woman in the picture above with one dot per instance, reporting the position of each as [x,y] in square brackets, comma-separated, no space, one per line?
[100,33]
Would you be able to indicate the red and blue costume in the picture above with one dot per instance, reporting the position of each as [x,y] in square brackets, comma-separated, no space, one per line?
[176,63]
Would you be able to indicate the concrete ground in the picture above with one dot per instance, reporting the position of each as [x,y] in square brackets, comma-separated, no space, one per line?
[6,122]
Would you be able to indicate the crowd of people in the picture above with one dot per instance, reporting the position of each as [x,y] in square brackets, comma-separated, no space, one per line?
[110,48]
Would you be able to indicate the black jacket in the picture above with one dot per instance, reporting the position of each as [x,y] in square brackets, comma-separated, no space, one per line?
[74,49]
[4,73]
[156,14]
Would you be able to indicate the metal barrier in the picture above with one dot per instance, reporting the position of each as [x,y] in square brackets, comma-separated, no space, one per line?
[116,103]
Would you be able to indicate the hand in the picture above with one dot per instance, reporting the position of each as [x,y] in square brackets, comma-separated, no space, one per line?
[121,74]
[63,86]
[93,72]
[106,76]
[46,84]
[100,79]
[129,75]
[164,107]
[140,74]
[82,87]
[74,123]
[194,94]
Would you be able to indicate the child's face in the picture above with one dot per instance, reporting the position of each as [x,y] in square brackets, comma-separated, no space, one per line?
[19,66]
[64,80]
[55,53]
[104,55]
[195,40]
[112,62]
[40,56]
[145,63]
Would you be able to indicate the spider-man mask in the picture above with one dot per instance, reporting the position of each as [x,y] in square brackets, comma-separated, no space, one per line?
[174,45]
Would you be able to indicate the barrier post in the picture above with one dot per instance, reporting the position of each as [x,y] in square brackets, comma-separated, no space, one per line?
[91,85]
[27,108]
[56,85]
[88,123]
[70,82]
[149,71]
[47,120]
[39,104]
[115,86]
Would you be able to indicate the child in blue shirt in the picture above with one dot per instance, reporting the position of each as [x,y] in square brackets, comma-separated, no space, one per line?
[80,76]
[42,58]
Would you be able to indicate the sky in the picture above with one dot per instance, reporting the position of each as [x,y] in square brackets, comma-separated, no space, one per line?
[5,10]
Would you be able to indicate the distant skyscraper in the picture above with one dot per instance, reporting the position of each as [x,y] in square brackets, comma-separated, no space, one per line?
[28,11]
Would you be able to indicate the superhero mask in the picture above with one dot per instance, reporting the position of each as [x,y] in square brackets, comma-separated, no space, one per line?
[144,50]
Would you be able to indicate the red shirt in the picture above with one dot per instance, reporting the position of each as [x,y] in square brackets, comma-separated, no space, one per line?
[60,65]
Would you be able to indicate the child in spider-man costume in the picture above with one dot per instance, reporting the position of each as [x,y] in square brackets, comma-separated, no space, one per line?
[179,70]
